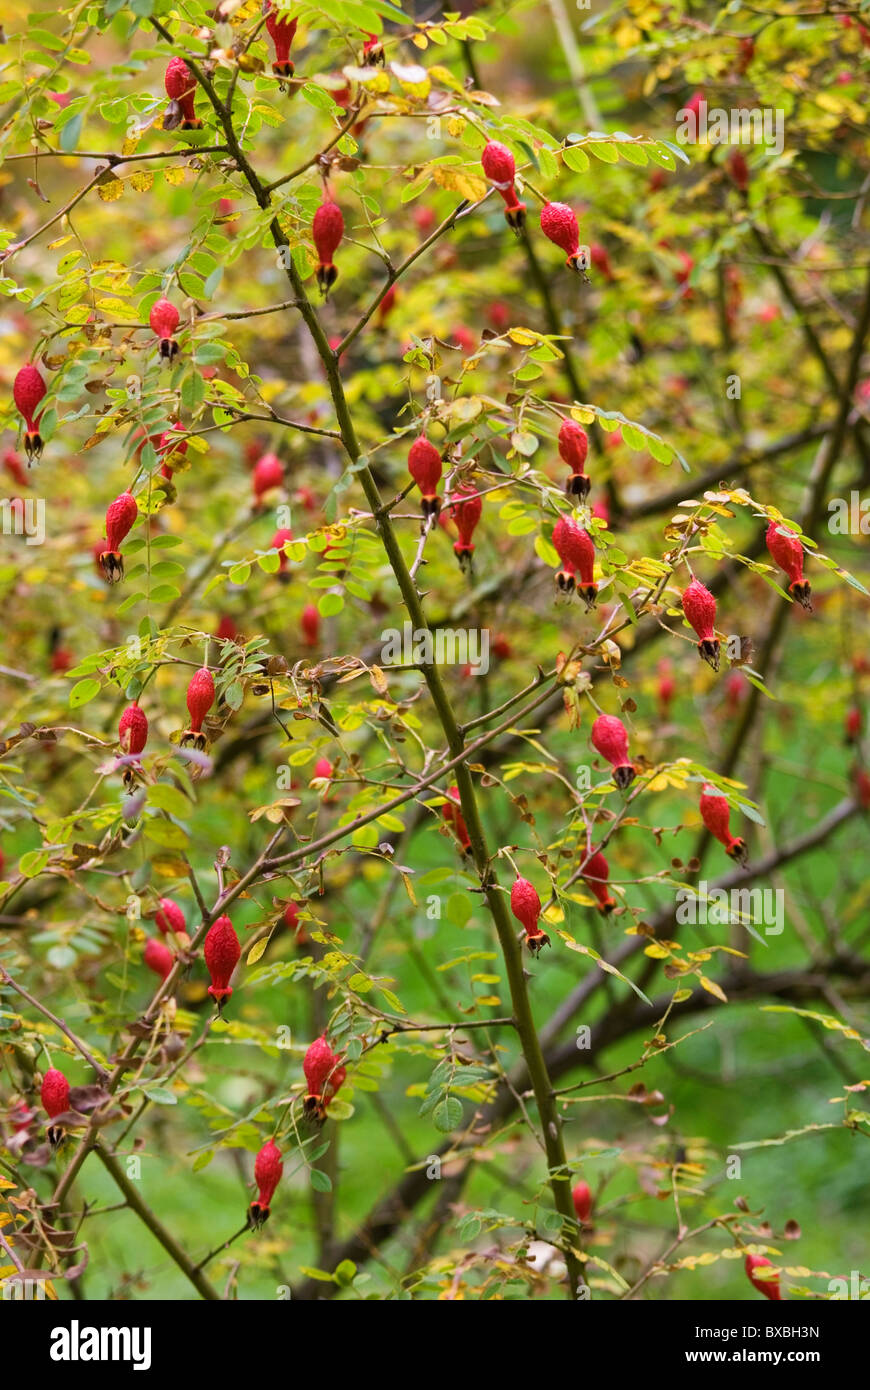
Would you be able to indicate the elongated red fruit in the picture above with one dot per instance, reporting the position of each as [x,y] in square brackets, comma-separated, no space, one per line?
[610,739]
[451,813]
[785,548]
[221,950]
[573,449]
[328,230]
[769,1287]
[170,917]
[180,85]
[559,224]
[324,1076]
[282,31]
[738,169]
[292,922]
[120,516]
[716,815]
[158,957]
[596,876]
[281,538]
[425,467]
[133,729]
[526,907]
[600,259]
[310,625]
[735,689]
[576,551]
[164,320]
[169,446]
[322,772]
[387,305]
[15,467]
[581,1196]
[500,169]
[200,698]
[28,389]
[54,1093]
[268,473]
[268,1169]
[467,509]
[667,687]
[699,607]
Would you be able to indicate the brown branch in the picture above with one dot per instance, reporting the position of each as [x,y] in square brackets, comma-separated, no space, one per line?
[136,1204]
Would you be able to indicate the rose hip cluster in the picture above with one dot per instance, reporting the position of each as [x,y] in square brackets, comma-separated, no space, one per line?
[558,220]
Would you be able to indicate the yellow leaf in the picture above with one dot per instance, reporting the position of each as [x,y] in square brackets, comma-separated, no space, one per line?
[119,309]
[175,175]
[459,180]
[524,337]
[712,988]
[111,191]
[464,410]
[378,680]
[142,180]
[257,950]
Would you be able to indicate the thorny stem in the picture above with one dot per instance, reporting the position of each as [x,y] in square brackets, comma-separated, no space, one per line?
[156,1227]
[553,1140]
[522,1018]
[559,1174]
[6,979]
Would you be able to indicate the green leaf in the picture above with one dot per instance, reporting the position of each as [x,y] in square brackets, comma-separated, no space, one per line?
[524,442]
[69,136]
[61,957]
[344,1274]
[604,150]
[166,833]
[164,593]
[321,1182]
[330,604]
[576,159]
[635,154]
[160,1096]
[459,909]
[166,798]
[32,863]
[192,391]
[234,694]
[448,1115]
[83,691]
